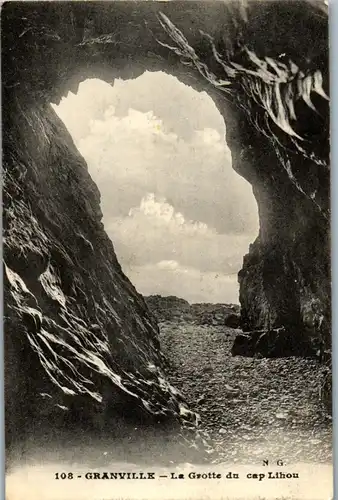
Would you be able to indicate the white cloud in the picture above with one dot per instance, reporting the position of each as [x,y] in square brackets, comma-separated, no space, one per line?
[210,137]
[91,101]
[155,232]
[162,213]
[131,155]
[156,150]
[168,264]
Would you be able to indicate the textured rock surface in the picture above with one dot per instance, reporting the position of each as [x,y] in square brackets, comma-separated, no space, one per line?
[70,312]
[249,407]
[81,347]
[274,343]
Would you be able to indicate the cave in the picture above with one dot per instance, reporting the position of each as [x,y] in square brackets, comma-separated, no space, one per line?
[79,339]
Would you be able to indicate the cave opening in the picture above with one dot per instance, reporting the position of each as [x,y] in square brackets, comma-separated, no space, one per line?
[179,216]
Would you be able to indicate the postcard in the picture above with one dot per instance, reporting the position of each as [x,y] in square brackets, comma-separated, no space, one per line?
[166,242]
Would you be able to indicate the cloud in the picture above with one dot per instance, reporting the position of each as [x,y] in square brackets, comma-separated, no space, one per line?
[181,109]
[91,101]
[168,264]
[163,213]
[156,149]
[131,155]
[154,232]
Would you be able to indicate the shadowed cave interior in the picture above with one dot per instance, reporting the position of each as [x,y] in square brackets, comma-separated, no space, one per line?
[82,347]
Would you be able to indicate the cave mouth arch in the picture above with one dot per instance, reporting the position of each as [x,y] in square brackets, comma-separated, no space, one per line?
[285,278]
[179,216]
[285,281]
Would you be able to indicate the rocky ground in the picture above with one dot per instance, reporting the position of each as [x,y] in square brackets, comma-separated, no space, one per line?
[251,409]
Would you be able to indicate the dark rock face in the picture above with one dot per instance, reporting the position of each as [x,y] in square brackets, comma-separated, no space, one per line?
[81,346]
[285,276]
[233,320]
[75,326]
[274,343]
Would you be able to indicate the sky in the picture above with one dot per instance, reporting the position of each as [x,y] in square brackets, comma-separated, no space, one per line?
[181,219]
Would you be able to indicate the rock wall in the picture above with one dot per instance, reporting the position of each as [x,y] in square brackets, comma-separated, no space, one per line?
[285,279]
[81,346]
[80,342]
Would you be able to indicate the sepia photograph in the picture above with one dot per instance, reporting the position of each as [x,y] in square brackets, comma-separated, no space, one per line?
[167,250]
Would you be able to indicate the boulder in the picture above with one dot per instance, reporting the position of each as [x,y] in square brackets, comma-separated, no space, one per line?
[274,343]
[232,320]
